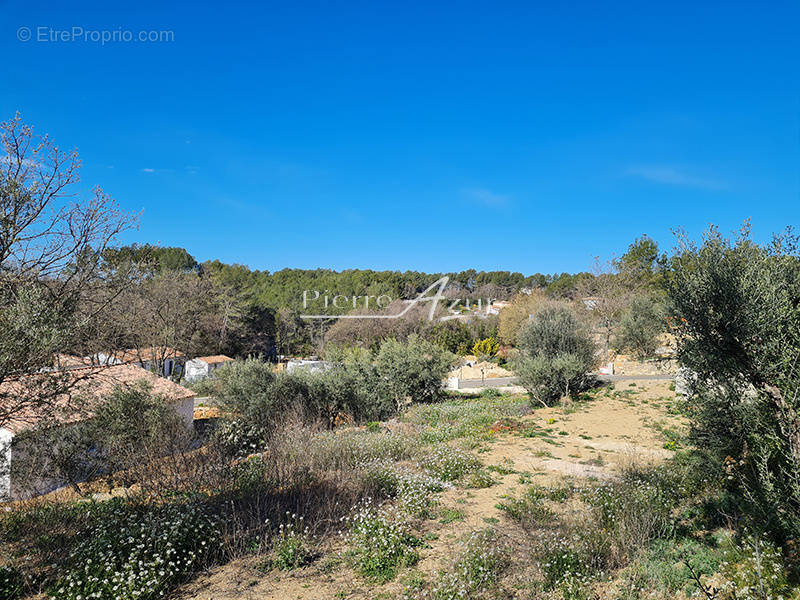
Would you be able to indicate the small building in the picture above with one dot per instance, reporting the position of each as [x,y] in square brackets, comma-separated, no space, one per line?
[307,366]
[495,307]
[203,367]
[591,302]
[164,361]
[91,385]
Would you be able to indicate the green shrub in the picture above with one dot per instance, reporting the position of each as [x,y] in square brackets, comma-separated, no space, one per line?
[451,515]
[556,354]
[128,431]
[753,569]
[481,478]
[564,563]
[529,510]
[343,391]
[380,541]
[137,552]
[242,383]
[413,371]
[414,491]
[292,544]
[661,567]
[547,379]
[634,511]
[11,583]
[453,336]
[553,331]
[640,327]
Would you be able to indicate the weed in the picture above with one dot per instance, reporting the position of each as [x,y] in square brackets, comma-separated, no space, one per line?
[449,463]
[450,515]
[291,547]
[476,570]
[380,540]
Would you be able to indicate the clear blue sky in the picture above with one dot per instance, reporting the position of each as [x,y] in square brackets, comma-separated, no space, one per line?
[433,136]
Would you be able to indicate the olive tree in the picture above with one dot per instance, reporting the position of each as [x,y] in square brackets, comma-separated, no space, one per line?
[640,327]
[737,305]
[413,371]
[555,356]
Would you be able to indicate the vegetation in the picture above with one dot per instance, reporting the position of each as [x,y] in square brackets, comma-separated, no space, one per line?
[556,355]
[486,348]
[640,327]
[516,314]
[137,552]
[413,371]
[738,308]
[356,457]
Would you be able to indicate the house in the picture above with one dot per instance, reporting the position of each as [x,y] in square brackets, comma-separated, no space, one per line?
[91,384]
[591,302]
[307,366]
[204,366]
[495,307]
[157,359]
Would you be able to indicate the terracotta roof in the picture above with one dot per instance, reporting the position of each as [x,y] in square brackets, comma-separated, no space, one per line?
[90,383]
[68,361]
[134,355]
[213,360]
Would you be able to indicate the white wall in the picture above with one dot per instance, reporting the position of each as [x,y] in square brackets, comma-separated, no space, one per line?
[5,463]
[196,370]
[185,409]
[30,485]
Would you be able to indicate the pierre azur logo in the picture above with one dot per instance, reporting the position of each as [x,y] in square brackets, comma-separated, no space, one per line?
[433,294]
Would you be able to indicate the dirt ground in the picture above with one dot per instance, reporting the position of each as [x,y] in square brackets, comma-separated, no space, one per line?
[591,440]
[479,370]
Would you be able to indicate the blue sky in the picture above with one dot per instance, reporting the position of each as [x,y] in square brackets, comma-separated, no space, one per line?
[524,136]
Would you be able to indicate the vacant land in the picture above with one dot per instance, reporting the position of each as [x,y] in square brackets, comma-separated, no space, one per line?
[522,452]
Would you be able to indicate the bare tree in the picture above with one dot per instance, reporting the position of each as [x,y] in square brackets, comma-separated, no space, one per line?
[51,244]
[604,297]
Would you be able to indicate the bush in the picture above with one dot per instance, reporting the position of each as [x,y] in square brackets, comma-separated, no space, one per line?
[346,391]
[414,491]
[556,354]
[549,379]
[413,371]
[243,383]
[640,327]
[738,305]
[555,330]
[137,552]
[529,510]
[453,336]
[291,546]
[753,569]
[633,513]
[11,583]
[486,348]
[133,434]
[380,541]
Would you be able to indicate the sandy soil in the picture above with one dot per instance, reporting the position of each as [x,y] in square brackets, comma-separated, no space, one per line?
[587,440]
[479,370]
